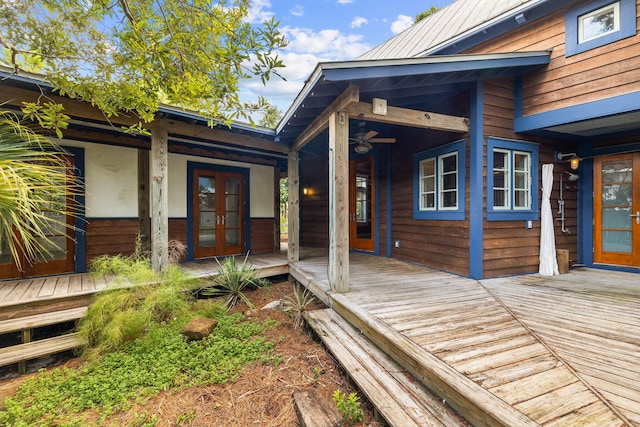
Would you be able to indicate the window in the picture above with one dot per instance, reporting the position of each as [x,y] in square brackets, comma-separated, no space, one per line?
[512,180]
[439,182]
[599,23]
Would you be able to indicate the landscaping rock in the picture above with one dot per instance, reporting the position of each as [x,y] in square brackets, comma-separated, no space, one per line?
[251,313]
[199,328]
[272,305]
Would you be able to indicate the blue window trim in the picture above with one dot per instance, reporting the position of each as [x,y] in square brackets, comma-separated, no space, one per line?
[627,26]
[457,147]
[191,166]
[512,214]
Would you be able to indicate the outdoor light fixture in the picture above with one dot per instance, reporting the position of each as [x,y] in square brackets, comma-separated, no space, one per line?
[574,160]
[306,190]
[363,147]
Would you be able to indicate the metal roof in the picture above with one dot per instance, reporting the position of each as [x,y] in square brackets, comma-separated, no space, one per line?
[410,83]
[454,23]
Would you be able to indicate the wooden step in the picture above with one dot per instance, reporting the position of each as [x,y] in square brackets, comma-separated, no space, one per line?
[39,320]
[35,349]
[398,397]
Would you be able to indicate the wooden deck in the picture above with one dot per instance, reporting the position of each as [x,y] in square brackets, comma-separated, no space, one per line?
[520,351]
[16,296]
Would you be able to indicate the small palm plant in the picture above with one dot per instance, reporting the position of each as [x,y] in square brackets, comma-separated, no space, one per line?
[233,279]
[295,306]
[36,188]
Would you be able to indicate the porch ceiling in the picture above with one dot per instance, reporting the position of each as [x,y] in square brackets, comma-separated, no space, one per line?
[418,83]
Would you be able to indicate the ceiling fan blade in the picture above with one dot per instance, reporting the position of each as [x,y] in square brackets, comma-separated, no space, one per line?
[383,140]
[370,134]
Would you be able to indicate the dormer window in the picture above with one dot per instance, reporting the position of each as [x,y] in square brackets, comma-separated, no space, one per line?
[599,22]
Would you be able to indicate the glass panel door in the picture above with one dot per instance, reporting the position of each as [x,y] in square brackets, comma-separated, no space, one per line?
[617,210]
[233,217]
[58,255]
[361,202]
[218,213]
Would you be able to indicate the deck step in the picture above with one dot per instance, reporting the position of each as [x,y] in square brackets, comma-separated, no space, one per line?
[35,349]
[39,320]
[398,397]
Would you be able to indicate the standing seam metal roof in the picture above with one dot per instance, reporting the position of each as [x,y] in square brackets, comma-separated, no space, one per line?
[445,26]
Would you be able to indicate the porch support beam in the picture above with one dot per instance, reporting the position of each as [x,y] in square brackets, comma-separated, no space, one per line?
[293,246]
[159,199]
[346,98]
[413,118]
[339,201]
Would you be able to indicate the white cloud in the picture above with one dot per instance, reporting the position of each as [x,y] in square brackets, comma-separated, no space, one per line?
[345,1]
[402,23]
[358,21]
[258,12]
[330,43]
[297,10]
[306,48]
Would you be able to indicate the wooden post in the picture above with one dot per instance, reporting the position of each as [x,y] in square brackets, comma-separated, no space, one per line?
[144,226]
[276,210]
[159,199]
[339,201]
[293,248]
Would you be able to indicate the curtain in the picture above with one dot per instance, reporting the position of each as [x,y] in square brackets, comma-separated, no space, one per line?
[548,261]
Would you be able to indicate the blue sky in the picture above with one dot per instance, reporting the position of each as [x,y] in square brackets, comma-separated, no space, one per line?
[327,30]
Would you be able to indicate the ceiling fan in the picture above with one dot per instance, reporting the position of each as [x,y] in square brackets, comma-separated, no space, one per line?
[364,139]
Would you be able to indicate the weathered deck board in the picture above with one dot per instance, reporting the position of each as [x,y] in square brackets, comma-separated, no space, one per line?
[464,325]
[592,320]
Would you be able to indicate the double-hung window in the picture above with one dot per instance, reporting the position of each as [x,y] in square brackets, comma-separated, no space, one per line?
[512,180]
[439,182]
[598,23]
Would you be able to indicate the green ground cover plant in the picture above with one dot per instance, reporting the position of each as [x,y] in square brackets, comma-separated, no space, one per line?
[161,360]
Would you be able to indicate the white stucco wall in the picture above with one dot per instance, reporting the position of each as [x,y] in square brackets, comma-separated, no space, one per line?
[111,180]
[261,187]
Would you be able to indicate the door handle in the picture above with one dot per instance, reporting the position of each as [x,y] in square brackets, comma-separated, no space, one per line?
[217,219]
[223,219]
[636,216]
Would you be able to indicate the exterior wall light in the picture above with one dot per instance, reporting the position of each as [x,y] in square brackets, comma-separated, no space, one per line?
[574,160]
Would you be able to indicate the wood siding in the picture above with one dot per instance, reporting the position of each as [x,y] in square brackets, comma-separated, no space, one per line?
[441,244]
[314,207]
[111,236]
[262,235]
[603,72]
[509,247]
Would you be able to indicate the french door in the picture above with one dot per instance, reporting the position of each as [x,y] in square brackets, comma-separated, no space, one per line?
[361,204]
[219,209]
[617,209]
[59,245]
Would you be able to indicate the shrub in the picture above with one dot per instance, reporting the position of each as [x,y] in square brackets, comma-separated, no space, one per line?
[233,279]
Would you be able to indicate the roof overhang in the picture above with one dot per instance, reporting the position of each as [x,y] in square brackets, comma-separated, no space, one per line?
[414,82]
[592,120]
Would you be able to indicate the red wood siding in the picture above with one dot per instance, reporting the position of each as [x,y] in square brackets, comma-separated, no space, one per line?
[603,72]
[262,235]
[314,207]
[439,244]
[110,237]
[509,247]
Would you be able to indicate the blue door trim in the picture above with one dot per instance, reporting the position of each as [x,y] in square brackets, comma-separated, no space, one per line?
[80,220]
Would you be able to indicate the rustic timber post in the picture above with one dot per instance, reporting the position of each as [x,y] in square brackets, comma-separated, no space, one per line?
[276,210]
[339,201]
[293,251]
[159,199]
[144,226]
